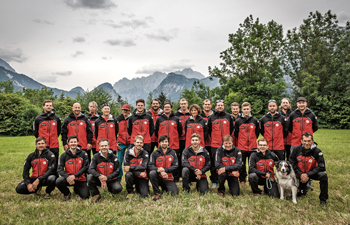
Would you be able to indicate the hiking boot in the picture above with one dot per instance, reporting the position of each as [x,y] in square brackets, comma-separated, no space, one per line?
[221,194]
[37,192]
[323,203]
[130,196]
[66,197]
[47,196]
[96,198]
[214,185]
[156,197]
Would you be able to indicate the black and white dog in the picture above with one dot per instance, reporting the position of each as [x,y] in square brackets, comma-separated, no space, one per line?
[288,183]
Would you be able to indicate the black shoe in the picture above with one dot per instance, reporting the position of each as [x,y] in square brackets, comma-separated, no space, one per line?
[323,203]
[66,197]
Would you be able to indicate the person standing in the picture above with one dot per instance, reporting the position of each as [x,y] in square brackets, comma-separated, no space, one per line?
[183,114]
[285,110]
[93,116]
[205,115]
[196,124]
[155,112]
[235,114]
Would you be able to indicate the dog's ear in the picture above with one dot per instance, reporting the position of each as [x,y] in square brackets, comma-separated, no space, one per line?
[277,164]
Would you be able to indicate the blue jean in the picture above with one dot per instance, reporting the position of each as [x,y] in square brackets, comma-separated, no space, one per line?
[120,154]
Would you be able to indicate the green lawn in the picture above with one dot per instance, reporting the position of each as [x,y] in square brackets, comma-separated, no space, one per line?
[189,209]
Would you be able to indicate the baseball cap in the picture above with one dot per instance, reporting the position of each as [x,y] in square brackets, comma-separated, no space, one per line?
[301,99]
[126,107]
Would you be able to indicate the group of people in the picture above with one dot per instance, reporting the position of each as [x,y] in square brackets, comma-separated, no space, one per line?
[188,143]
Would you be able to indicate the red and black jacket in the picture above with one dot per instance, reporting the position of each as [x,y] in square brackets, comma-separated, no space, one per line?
[107,128]
[230,159]
[300,123]
[308,161]
[220,124]
[246,132]
[170,126]
[155,116]
[79,126]
[168,161]
[199,126]
[206,117]
[235,141]
[76,165]
[92,120]
[140,124]
[262,164]
[42,165]
[48,125]
[274,129]
[108,167]
[182,117]
[194,161]
[288,139]
[138,163]
[123,136]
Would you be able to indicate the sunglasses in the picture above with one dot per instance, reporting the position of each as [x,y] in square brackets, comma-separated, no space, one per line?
[219,101]
[272,100]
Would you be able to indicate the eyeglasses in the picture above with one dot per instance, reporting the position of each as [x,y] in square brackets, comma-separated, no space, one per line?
[272,100]
[220,100]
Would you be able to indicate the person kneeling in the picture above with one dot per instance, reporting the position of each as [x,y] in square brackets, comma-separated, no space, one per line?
[162,164]
[228,162]
[195,162]
[261,165]
[72,167]
[42,161]
[135,165]
[104,171]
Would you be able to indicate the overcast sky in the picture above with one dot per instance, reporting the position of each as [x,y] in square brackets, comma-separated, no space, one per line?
[69,43]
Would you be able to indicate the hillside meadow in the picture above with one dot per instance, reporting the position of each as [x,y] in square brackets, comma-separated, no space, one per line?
[186,209]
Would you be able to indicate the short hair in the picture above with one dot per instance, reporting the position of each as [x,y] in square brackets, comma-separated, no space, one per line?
[290,105]
[307,134]
[155,99]
[168,103]
[94,103]
[73,137]
[245,104]
[47,101]
[140,100]
[163,138]
[262,139]
[183,99]
[195,135]
[227,138]
[139,137]
[234,104]
[195,106]
[205,100]
[103,139]
[40,139]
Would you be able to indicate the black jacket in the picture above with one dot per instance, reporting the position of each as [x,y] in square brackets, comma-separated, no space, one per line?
[224,158]
[139,163]
[108,167]
[76,165]
[203,163]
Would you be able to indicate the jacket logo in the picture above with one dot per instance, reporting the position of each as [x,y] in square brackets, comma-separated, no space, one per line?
[145,122]
[163,123]
[35,163]
[200,159]
[72,124]
[307,121]
[111,125]
[267,125]
[270,163]
[242,127]
[180,118]
[70,162]
[81,123]
[191,160]
[159,160]
[43,124]
[170,159]
[92,124]
[216,122]
[44,162]
[102,126]
[79,161]
[132,162]
[299,160]
[101,166]
[224,121]
[189,126]
[310,160]
[172,123]
[136,123]
[111,166]
[53,124]
[224,160]
[277,125]
[198,127]
[251,127]
[297,121]
[261,164]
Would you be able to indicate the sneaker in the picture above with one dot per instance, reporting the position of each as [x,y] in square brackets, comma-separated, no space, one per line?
[242,184]
[323,203]
[214,185]
[47,196]
[96,198]
[256,195]
[177,183]
[221,194]
[37,192]
[130,196]
[66,197]
[156,197]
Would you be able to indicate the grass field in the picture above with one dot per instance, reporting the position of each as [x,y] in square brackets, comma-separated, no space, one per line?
[189,209]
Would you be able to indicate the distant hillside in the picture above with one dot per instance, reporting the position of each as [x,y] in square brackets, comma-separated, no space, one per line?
[6,65]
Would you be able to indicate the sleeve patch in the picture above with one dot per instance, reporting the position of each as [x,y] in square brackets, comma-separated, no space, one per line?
[52,156]
[239,153]
[320,153]
[116,159]
[146,155]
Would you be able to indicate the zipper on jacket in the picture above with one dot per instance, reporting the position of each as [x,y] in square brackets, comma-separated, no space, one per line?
[49,141]
[248,134]
[273,126]
[39,168]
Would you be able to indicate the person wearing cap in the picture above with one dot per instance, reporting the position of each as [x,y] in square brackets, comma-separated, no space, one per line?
[93,116]
[123,137]
[155,112]
[300,121]
[106,127]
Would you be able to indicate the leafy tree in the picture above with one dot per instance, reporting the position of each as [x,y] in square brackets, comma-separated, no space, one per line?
[7,86]
[149,100]
[38,96]
[162,99]
[197,94]
[317,58]
[251,68]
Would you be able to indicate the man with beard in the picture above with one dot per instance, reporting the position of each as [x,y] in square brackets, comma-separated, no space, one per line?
[235,114]
[155,112]
[205,115]
[285,110]
[93,116]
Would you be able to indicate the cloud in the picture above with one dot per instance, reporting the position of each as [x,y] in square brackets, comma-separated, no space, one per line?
[63,73]
[90,4]
[79,39]
[171,67]
[131,15]
[46,79]
[42,21]
[135,23]
[106,58]
[77,53]
[161,35]
[343,17]
[119,42]
[14,55]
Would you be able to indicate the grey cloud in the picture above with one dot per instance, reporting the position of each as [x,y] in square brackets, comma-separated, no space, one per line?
[343,17]
[132,23]
[79,39]
[42,21]
[63,73]
[90,4]
[77,53]
[106,58]
[15,55]
[178,65]
[119,42]
[131,15]
[161,35]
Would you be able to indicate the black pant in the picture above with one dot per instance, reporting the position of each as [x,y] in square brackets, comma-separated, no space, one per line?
[177,172]
[167,185]
[113,185]
[243,170]
[256,180]
[153,145]
[50,182]
[279,153]
[213,173]
[233,184]
[188,176]
[56,152]
[94,151]
[89,154]
[80,187]
[141,184]
[323,178]
[287,151]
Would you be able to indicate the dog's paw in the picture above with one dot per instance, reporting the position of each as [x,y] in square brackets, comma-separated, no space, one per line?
[295,202]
